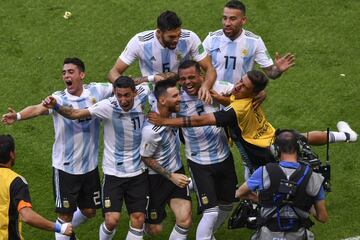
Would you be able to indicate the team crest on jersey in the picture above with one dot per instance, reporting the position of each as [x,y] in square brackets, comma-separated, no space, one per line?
[153,216]
[244,52]
[66,204]
[178,56]
[93,100]
[204,200]
[107,203]
[200,49]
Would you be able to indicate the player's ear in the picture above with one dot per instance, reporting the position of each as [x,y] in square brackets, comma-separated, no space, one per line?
[82,75]
[12,157]
[244,19]
[162,100]
[158,32]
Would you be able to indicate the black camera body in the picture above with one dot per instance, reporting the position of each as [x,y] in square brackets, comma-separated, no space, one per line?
[307,156]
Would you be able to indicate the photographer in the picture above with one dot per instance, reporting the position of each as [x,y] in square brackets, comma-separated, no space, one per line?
[15,202]
[286,192]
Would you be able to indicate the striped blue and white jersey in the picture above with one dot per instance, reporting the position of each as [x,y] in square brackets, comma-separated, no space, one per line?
[76,145]
[122,134]
[208,144]
[162,144]
[233,59]
[154,58]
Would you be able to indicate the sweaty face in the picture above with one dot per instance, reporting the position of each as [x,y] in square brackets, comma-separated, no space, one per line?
[243,88]
[73,79]
[232,21]
[172,99]
[169,39]
[125,97]
[190,80]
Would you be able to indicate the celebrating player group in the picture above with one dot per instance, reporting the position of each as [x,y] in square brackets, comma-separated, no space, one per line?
[206,92]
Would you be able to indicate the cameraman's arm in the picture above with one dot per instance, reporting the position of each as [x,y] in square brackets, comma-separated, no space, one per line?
[320,211]
[243,192]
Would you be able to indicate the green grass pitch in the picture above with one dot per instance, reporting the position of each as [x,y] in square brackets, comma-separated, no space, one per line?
[324,36]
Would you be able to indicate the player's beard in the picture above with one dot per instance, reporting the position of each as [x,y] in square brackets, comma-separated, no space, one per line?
[169,45]
[175,108]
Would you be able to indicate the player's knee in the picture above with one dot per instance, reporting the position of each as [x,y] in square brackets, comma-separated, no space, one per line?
[154,229]
[137,219]
[184,220]
[88,212]
[111,221]
[65,217]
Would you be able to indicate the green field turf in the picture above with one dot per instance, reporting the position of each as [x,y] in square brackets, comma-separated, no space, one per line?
[324,36]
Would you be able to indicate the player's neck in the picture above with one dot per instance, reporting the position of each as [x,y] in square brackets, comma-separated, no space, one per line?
[7,165]
[289,157]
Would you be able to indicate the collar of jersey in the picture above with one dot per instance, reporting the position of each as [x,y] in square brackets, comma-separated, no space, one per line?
[286,164]
[83,95]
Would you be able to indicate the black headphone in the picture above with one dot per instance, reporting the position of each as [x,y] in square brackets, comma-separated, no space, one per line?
[275,149]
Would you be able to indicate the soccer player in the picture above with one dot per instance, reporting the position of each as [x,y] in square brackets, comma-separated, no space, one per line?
[206,148]
[163,49]
[125,178]
[15,199]
[234,50]
[75,150]
[167,180]
[254,131]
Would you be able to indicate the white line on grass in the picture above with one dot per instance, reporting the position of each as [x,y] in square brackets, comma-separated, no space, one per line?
[352,238]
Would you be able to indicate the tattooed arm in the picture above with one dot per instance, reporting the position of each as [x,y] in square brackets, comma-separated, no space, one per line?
[178,179]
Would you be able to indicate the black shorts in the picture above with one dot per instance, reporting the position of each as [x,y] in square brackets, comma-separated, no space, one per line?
[134,190]
[214,183]
[257,156]
[72,191]
[162,191]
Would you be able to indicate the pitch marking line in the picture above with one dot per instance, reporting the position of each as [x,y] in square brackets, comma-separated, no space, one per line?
[352,238]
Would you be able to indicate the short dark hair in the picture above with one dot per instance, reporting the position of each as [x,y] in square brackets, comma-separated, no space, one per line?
[258,79]
[190,63]
[287,141]
[76,61]
[236,5]
[168,20]
[162,86]
[124,82]
[7,145]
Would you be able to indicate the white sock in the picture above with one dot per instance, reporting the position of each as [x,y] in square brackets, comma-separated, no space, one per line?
[178,233]
[59,236]
[224,212]
[206,225]
[104,233]
[78,218]
[337,137]
[134,234]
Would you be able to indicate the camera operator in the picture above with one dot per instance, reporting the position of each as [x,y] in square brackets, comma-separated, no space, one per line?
[287,193]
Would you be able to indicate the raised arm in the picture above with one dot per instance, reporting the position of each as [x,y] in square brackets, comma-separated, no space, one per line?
[29,112]
[223,100]
[71,113]
[178,179]
[118,68]
[281,65]
[34,219]
[210,77]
